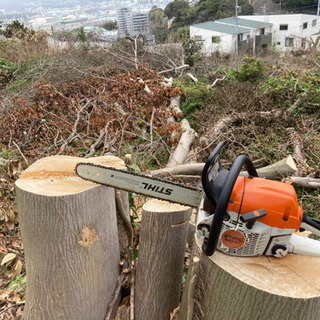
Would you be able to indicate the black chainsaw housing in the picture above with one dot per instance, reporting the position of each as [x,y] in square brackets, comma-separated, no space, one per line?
[218,184]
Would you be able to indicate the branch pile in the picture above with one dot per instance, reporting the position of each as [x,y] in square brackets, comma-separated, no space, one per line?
[80,117]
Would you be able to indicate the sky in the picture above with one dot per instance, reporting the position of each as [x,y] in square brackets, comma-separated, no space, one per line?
[21,4]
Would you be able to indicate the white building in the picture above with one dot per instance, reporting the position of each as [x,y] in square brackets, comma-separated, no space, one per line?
[290,31]
[231,35]
[132,23]
[140,23]
[124,21]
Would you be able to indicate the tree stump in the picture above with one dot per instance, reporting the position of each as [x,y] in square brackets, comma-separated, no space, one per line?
[70,239]
[163,235]
[258,288]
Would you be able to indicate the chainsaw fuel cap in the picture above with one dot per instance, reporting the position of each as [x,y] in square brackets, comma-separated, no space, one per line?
[253,215]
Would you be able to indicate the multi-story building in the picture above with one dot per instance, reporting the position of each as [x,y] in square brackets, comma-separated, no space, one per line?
[124,18]
[140,23]
[132,23]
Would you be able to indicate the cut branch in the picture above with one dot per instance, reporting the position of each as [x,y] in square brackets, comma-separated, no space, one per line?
[175,107]
[183,148]
[306,182]
[192,77]
[174,69]
[278,170]
[215,82]
[298,153]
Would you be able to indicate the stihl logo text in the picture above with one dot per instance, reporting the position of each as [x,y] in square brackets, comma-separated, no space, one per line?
[155,188]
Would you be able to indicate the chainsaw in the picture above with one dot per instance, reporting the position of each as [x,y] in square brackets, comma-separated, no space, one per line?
[238,215]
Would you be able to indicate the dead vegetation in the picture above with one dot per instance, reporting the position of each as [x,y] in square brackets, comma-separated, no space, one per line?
[84,102]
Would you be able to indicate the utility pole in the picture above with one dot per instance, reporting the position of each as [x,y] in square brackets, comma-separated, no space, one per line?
[237,26]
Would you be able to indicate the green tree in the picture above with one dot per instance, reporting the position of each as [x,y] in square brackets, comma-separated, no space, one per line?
[81,35]
[206,10]
[158,24]
[160,34]
[156,15]
[15,29]
[176,7]
[110,25]
[296,3]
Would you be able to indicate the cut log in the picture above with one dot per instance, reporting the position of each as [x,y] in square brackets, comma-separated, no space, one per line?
[70,239]
[182,150]
[263,288]
[160,263]
[278,170]
[175,107]
[306,182]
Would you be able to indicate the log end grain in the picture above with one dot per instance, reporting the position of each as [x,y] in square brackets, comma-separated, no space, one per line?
[55,176]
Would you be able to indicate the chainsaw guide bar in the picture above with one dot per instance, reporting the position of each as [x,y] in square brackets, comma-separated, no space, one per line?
[140,184]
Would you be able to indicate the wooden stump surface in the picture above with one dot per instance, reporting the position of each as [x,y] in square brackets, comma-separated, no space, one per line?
[256,288]
[55,176]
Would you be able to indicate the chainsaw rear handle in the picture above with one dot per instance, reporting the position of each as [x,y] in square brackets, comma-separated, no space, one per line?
[209,244]
[206,173]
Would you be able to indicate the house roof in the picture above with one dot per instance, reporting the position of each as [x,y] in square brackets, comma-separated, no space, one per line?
[245,22]
[220,27]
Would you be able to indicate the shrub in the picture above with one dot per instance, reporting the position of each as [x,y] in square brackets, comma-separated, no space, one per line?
[251,70]
[7,69]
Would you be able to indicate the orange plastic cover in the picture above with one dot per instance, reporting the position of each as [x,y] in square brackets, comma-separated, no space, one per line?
[278,199]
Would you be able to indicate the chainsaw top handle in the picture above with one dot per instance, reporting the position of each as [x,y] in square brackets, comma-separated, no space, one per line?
[210,243]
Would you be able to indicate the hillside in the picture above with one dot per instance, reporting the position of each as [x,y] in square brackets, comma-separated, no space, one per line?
[87,100]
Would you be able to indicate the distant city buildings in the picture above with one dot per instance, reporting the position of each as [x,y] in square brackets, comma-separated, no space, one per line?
[132,23]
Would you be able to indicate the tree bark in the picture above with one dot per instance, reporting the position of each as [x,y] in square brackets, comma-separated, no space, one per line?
[175,107]
[182,150]
[257,288]
[69,233]
[306,182]
[160,263]
[277,170]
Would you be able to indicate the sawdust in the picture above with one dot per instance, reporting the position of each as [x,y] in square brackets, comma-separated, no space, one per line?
[89,237]
[46,174]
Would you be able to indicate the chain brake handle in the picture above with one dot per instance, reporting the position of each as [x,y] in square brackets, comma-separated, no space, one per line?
[221,201]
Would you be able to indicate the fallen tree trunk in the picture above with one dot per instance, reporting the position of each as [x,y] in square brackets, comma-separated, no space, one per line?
[306,182]
[278,170]
[175,107]
[228,287]
[182,150]
[70,239]
[163,236]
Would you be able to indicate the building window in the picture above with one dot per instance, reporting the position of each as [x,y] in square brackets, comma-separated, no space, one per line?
[288,42]
[261,31]
[305,25]
[240,37]
[283,27]
[303,43]
[278,43]
[314,22]
[215,39]
[197,38]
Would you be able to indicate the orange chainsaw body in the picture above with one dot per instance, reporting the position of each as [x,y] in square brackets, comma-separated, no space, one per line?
[278,199]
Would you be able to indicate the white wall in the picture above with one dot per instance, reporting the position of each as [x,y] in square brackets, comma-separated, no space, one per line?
[295,28]
[227,43]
